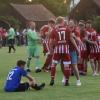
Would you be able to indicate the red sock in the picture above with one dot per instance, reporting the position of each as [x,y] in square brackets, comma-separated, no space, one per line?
[47,62]
[81,68]
[53,72]
[67,72]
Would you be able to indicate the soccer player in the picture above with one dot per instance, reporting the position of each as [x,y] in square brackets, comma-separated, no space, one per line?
[98,55]
[82,63]
[33,49]
[92,42]
[45,32]
[60,37]
[11,37]
[13,82]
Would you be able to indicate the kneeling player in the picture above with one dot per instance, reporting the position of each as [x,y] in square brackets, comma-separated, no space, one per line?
[14,77]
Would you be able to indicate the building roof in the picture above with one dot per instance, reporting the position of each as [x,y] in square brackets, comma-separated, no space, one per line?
[35,12]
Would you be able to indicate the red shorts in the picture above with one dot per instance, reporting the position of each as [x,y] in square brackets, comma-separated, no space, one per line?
[98,56]
[84,55]
[61,57]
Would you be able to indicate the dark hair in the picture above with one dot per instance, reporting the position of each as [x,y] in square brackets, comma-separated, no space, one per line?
[20,62]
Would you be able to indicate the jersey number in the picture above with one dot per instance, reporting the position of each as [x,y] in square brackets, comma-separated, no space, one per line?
[10,75]
[61,35]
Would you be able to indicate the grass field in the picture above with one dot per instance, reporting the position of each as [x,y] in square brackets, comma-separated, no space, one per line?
[90,89]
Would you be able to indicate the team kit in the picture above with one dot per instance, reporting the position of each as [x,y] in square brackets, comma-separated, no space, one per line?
[65,42]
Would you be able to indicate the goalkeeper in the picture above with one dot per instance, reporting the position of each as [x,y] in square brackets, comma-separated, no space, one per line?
[33,47]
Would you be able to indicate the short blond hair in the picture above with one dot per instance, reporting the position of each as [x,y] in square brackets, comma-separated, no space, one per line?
[59,20]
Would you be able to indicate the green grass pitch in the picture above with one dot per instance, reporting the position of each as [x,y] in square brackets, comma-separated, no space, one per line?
[90,89]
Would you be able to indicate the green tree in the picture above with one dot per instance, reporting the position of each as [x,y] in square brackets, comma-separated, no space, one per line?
[96,24]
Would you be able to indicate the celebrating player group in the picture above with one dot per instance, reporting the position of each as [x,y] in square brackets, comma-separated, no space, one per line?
[64,42]
[72,45]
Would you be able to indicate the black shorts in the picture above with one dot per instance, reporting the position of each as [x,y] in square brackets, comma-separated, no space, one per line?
[0,42]
[11,41]
[22,87]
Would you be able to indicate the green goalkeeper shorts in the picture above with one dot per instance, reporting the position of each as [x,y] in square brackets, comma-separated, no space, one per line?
[33,51]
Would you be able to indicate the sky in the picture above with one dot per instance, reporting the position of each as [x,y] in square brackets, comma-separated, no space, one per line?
[76,2]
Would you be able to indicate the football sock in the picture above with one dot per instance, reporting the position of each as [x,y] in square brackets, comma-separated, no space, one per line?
[38,87]
[37,62]
[9,49]
[53,72]
[28,62]
[67,72]
[80,67]
[48,61]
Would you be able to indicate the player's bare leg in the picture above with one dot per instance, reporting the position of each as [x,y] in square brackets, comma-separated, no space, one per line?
[76,74]
[28,64]
[37,64]
[98,68]
[93,66]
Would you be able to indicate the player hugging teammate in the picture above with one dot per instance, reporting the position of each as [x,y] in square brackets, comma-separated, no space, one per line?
[72,45]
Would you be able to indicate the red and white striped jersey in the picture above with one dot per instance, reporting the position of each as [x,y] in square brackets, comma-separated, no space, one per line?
[60,35]
[82,47]
[64,49]
[92,36]
[45,37]
[46,47]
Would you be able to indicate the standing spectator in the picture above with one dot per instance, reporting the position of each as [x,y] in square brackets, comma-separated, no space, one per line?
[11,37]
[0,37]
[17,37]
[4,38]
[74,51]
[24,36]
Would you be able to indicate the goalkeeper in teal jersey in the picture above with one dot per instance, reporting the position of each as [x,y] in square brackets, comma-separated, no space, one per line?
[32,48]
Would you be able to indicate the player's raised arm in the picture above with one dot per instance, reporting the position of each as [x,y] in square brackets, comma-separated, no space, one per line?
[73,41]
[87,40]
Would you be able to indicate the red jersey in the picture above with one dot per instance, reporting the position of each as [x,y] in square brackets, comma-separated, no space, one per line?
[60,35]
[92,36]
[45,38]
